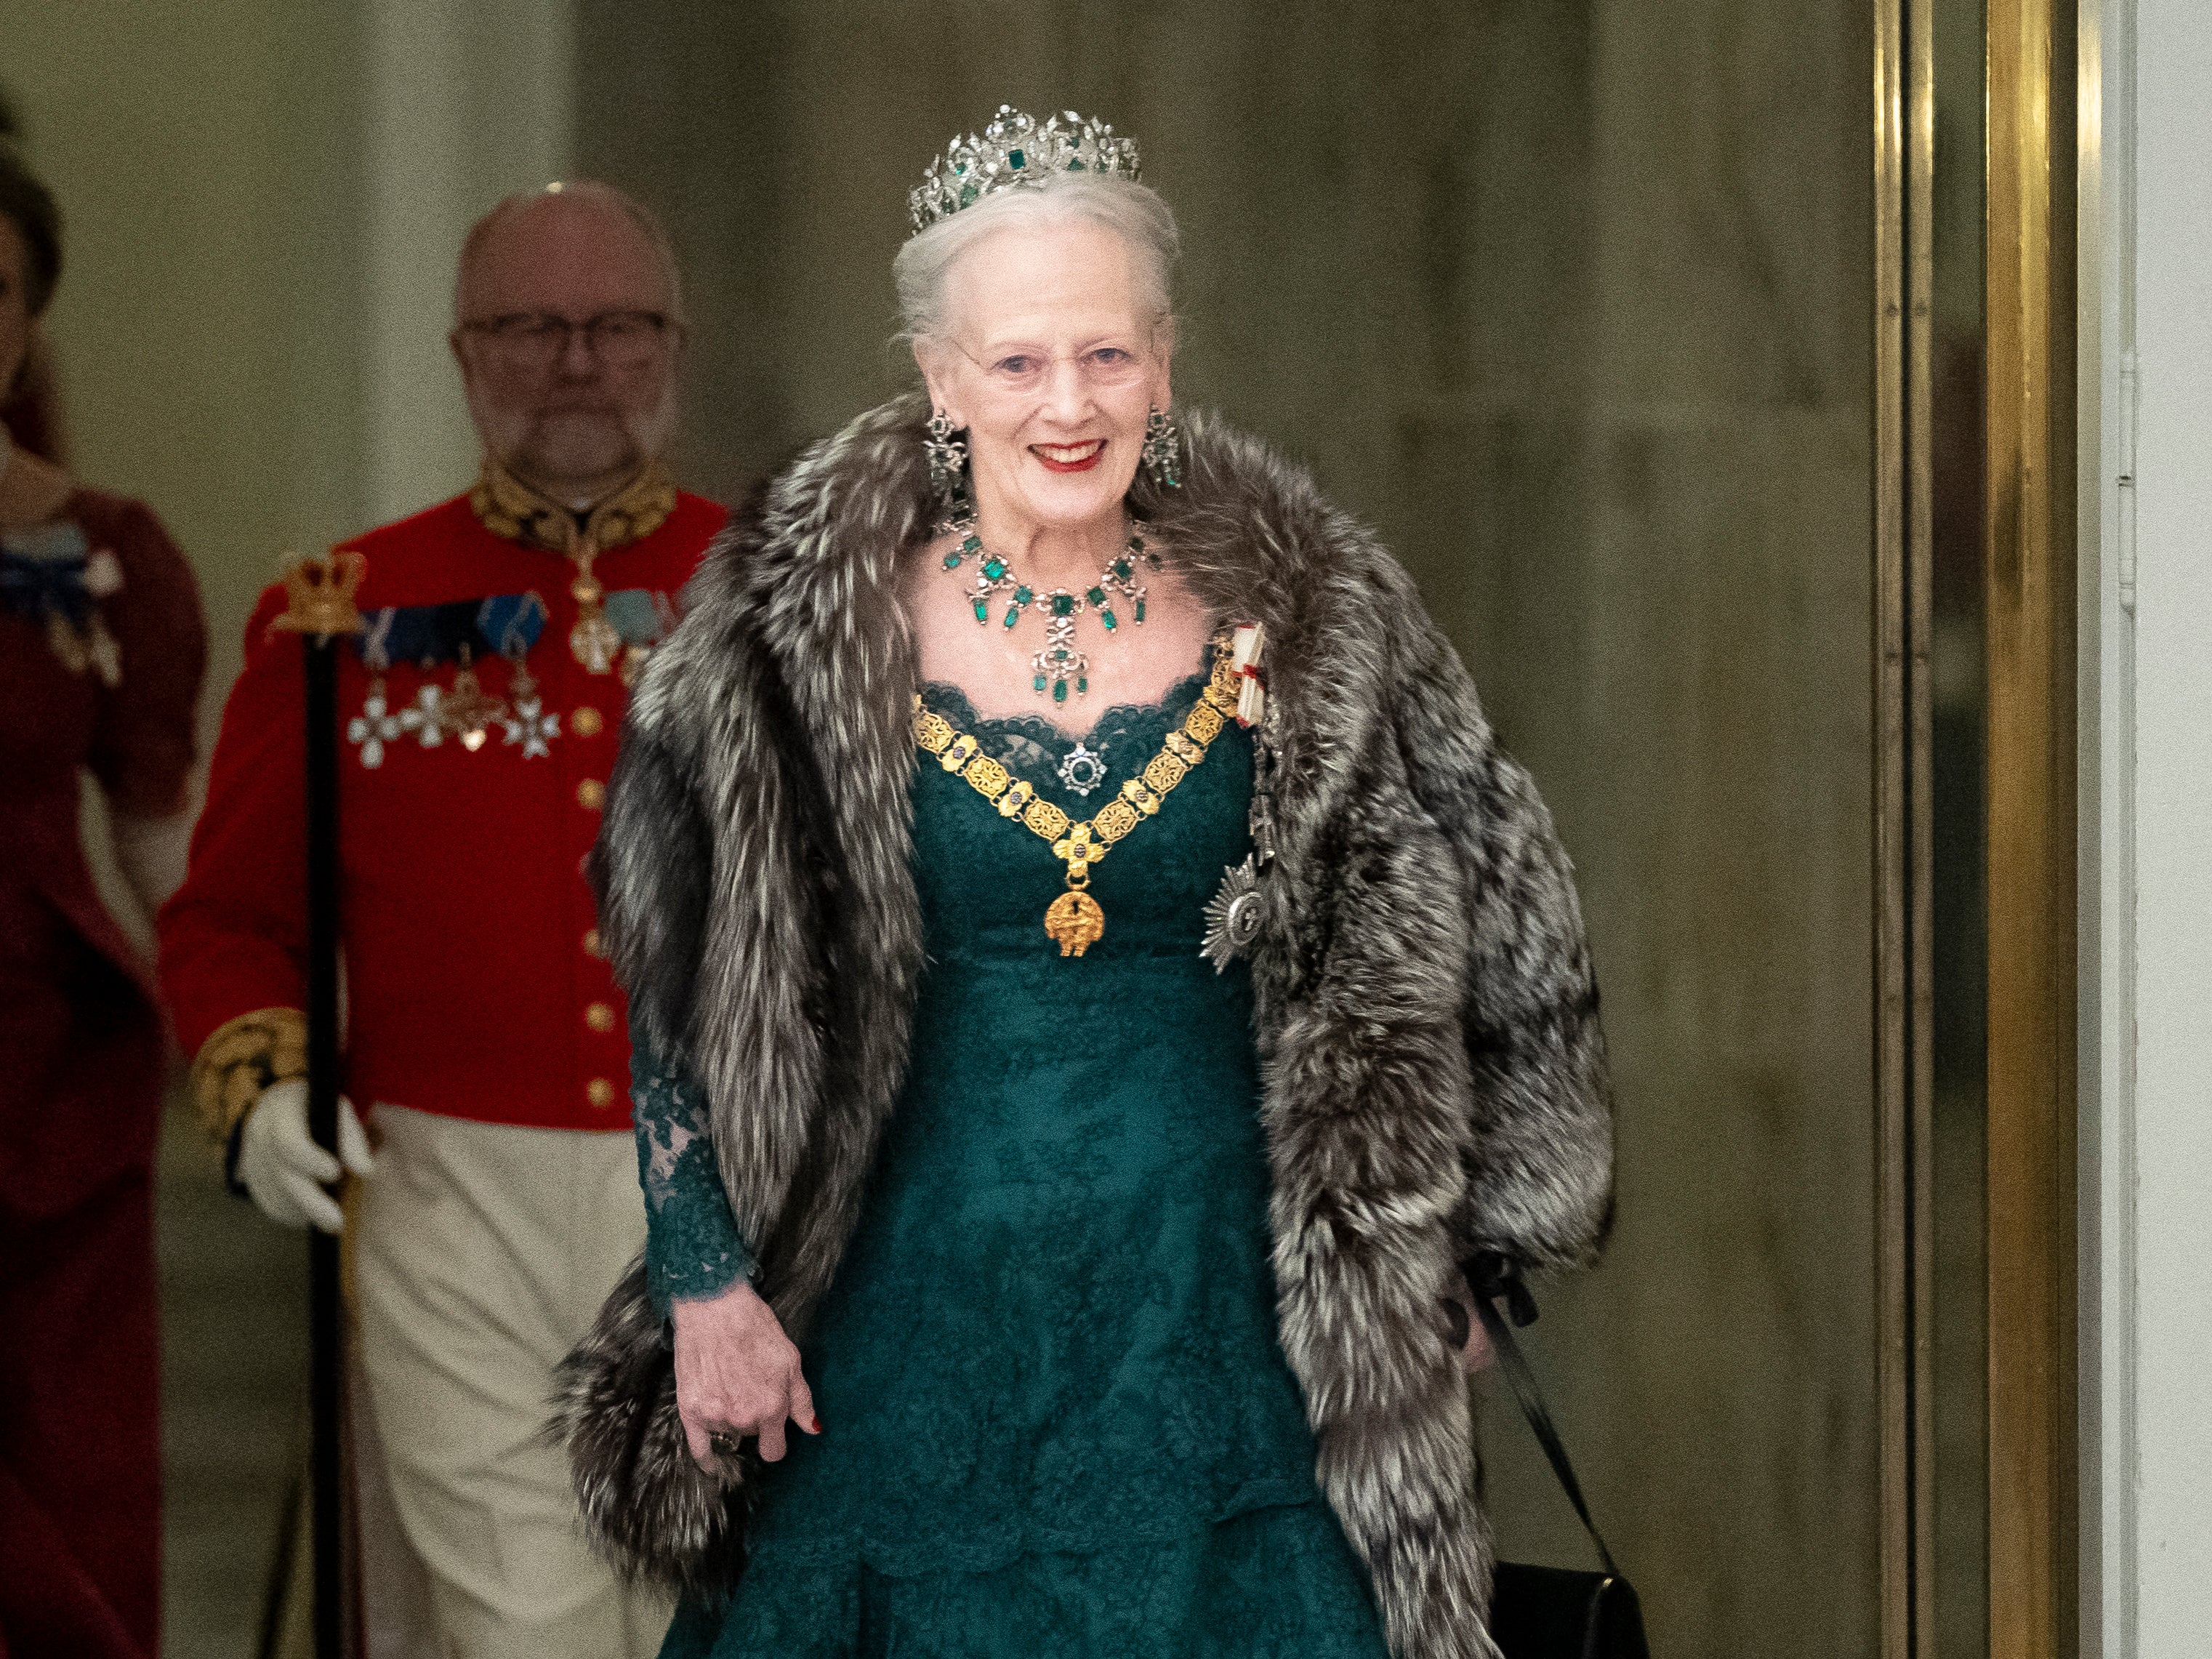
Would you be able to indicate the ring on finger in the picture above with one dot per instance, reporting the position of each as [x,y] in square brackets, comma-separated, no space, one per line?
[724,1441]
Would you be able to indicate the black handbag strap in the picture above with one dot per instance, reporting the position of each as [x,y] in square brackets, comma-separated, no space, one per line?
[1491,1280]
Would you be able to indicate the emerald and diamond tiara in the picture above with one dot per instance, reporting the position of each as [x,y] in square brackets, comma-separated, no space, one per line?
[1015,149]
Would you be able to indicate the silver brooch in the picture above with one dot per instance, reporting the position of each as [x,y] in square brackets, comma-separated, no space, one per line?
[1083,769]
[1232,915]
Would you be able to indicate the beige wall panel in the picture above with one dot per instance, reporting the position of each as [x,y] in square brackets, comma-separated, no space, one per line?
[462,105]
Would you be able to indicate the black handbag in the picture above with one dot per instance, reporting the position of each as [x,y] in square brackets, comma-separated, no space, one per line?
[1550,1612]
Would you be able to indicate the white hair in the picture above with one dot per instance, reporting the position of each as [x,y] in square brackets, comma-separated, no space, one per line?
[1133,212]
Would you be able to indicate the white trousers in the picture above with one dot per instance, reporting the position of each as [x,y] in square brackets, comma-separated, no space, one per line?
[484,1252]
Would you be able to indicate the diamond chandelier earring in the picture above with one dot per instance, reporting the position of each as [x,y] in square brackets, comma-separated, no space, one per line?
[1160,457]
[948,465]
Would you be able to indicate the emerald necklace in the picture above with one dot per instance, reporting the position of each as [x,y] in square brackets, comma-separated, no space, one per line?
[1059,660]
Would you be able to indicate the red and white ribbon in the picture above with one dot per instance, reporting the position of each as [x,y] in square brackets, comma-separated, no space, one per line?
[1246,642]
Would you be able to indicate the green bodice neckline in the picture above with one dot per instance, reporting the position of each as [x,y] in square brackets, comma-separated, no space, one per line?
[1029,737]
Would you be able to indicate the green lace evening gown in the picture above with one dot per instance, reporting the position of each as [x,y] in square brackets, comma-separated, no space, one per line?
[1056,1419]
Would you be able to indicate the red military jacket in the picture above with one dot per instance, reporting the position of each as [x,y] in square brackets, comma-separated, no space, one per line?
[474,982]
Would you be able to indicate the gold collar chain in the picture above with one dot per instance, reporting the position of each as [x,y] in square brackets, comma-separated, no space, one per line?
[1074,920]
[512,510]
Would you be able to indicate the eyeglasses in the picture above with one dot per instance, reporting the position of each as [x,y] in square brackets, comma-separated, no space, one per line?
[1101,368]
[531,341]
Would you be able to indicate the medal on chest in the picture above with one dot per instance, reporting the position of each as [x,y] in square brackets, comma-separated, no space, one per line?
[1232,915]
[510,509]
[1073,921]
[1235,913]
[464,635]
[506,625]
[592,641]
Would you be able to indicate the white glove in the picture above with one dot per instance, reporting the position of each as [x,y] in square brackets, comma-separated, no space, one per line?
[282,1169]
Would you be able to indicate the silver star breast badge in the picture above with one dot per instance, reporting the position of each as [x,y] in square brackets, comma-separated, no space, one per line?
[1232,915]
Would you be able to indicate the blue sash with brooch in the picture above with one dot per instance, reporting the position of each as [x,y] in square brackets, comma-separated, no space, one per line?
[51,578]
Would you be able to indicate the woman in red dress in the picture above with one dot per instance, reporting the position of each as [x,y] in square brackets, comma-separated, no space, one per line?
[101,648]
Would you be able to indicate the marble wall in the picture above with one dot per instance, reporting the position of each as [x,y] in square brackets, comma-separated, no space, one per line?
[1572,300]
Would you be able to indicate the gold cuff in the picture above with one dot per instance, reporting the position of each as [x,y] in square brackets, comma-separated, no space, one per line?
[244,1057]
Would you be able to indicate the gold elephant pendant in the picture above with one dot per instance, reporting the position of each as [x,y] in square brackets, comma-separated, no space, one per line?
[1075,920]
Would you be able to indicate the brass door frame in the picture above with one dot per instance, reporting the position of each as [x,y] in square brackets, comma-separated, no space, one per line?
[2030,589]
[2029,562]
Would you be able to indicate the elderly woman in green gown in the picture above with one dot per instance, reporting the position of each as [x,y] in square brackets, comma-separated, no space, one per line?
[1096,983]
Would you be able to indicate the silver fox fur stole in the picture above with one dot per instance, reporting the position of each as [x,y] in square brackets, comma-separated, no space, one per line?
[1427,1023]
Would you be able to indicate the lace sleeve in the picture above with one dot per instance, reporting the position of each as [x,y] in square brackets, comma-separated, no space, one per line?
[693,1248]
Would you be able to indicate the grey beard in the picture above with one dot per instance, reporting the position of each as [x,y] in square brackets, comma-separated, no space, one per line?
[624,443]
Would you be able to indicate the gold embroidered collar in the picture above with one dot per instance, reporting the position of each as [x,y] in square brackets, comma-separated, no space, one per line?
[511,509]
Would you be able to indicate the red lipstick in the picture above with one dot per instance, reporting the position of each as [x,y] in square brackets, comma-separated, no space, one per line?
[1082,463]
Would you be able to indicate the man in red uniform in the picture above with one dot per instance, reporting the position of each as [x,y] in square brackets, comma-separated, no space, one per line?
[484,1033]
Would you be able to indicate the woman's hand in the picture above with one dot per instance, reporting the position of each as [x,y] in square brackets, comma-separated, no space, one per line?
[737,1374]
[1467,1331]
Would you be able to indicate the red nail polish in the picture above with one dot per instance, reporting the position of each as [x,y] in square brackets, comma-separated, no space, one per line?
[813,1423]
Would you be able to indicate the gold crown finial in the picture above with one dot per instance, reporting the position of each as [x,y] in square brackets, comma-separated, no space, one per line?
[1015,149]
[318,590]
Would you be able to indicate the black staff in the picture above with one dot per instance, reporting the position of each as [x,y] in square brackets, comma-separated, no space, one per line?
[322,613]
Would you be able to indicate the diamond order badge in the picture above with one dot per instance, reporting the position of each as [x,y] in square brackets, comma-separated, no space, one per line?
[1083,768]
[1075,920]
